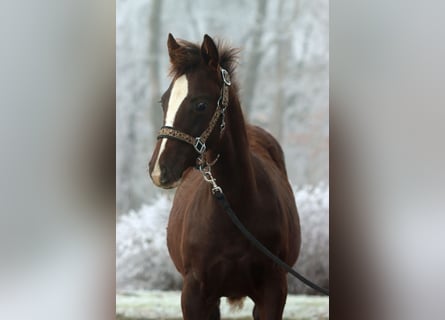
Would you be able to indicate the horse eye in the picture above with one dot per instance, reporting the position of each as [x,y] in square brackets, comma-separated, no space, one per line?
[201,106]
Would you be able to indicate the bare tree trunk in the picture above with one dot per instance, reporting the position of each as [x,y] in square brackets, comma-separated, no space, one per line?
[128,165]
[254,59]
[137,141]
[278,112]
[283,47]
[154,49]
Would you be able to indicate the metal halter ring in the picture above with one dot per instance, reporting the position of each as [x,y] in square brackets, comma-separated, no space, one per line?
[219,102]
[226,77]
[200,146]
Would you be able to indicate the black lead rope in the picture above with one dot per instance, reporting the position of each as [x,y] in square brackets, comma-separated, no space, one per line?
[222,199]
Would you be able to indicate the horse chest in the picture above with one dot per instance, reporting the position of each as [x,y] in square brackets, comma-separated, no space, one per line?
[228,273]
[222,256]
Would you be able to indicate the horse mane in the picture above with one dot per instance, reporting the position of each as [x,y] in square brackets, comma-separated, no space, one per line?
[188,56]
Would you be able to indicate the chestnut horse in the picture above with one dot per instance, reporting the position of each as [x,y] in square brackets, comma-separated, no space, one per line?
[213,257]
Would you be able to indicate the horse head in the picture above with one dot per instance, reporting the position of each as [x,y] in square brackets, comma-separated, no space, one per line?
[190,105]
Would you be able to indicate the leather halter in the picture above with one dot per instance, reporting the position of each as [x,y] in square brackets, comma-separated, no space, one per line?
[199,143]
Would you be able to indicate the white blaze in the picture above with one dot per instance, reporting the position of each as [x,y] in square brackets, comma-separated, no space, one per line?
[177,95]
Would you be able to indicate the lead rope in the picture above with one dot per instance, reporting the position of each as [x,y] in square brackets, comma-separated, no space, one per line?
[219,195]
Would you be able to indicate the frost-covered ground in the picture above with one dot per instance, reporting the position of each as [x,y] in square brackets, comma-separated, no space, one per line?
[167,305]
[143,263]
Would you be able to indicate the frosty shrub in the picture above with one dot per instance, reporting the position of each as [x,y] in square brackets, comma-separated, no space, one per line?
[313,262]
[143,262]
[142,259]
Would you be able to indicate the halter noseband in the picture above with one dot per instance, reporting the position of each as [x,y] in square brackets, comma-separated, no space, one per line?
[199,143]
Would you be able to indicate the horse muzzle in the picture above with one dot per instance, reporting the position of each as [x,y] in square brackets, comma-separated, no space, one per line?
[164,180]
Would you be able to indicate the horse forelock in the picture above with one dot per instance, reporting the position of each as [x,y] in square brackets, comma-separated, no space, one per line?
[188,57]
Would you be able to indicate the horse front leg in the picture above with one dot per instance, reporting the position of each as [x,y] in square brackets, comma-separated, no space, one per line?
[270,298]
[195,304]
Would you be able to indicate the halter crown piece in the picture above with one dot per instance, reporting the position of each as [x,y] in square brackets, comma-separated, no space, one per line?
[199,143]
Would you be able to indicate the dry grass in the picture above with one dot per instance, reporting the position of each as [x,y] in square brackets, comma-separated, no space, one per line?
[165,305]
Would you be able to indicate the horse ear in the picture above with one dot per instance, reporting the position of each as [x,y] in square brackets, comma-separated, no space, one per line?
[172,46]
[209,52]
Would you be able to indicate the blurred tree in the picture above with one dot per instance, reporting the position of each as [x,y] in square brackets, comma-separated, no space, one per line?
[254,59]
[154,54]
[282,56]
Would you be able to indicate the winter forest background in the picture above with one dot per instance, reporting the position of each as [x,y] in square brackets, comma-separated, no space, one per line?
[283,75]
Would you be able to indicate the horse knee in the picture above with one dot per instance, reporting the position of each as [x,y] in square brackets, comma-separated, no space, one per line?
[195,304]
[270,299]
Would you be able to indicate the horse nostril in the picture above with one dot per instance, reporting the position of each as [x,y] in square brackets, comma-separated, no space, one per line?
[164,176]
[163,180]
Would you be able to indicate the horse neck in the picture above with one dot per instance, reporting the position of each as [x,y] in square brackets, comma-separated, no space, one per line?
[234,171]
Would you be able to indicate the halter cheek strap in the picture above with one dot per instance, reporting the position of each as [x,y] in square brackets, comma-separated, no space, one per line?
[199,142]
